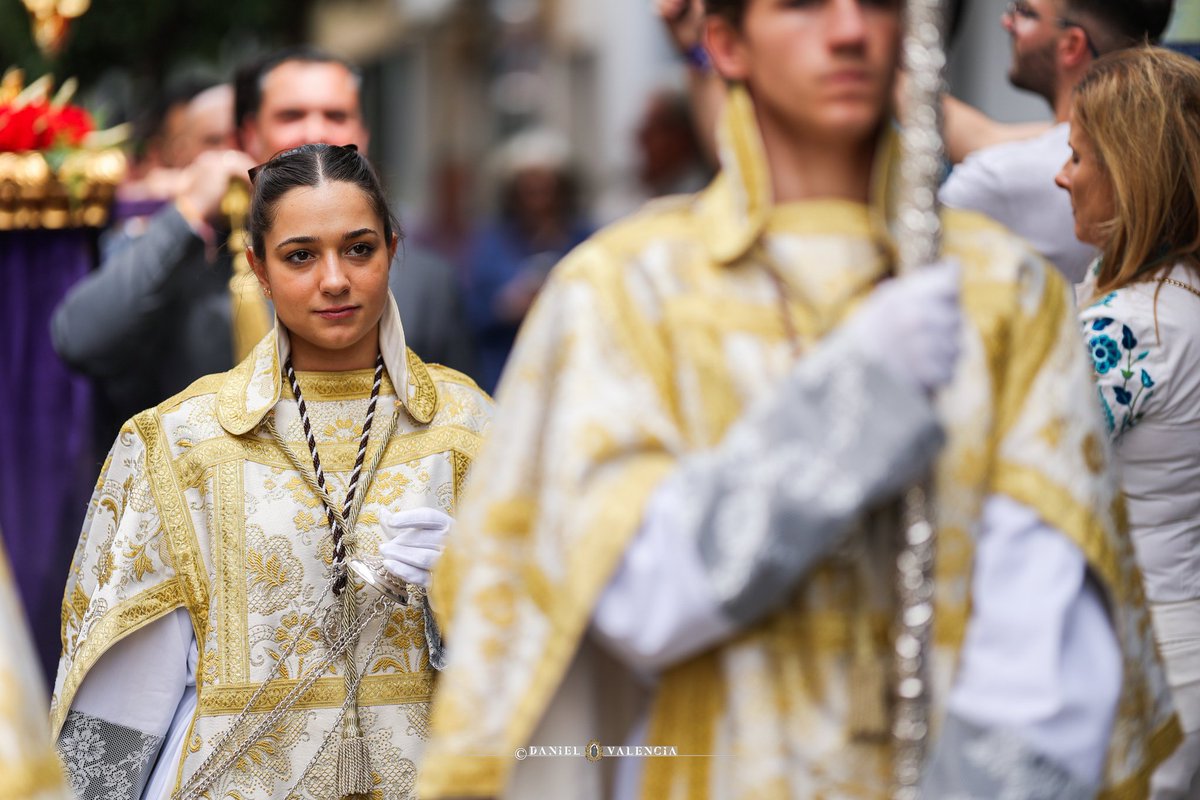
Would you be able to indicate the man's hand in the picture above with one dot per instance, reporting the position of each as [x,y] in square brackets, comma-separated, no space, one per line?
[912,325]
[205,181]
[418,537]
[684,20]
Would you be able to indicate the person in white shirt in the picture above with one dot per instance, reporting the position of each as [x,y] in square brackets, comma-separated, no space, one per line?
[1054,42]
[1134,181]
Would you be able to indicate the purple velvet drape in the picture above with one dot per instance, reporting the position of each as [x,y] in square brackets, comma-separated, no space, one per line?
[47,466]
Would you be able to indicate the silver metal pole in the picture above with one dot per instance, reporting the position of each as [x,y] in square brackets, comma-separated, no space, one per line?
[920,235]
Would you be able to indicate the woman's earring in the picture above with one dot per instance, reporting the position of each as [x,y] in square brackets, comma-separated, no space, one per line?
[266,291]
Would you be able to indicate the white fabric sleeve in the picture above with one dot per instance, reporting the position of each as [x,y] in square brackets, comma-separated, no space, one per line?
[976,185]
[139,681]
[650,617]
[1040,658]
[166,769]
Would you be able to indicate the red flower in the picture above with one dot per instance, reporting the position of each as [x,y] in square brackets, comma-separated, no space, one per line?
[65,126]
[39,126]
[18,127]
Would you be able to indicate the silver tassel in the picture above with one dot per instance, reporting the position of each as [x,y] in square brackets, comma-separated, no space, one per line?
[354,756]
[354,761]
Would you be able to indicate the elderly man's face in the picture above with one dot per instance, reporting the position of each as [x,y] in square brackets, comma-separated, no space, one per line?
[303,103]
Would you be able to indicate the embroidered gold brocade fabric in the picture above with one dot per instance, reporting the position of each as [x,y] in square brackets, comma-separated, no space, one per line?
[646,344]
[187,514]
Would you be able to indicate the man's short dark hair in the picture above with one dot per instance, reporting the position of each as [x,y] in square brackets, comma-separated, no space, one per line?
[1116,24]
[248,82]
[150,121]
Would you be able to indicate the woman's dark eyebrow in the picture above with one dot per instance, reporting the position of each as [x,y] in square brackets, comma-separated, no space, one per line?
[297,240]
[314,239]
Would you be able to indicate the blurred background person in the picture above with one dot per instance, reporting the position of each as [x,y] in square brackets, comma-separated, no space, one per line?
[154,160]
[671,161]
[539,222]
[202,124]
[1133,178]
[1053,44]
[446,228]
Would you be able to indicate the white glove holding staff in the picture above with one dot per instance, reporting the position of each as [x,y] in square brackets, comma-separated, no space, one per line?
[912,325]
[417,539]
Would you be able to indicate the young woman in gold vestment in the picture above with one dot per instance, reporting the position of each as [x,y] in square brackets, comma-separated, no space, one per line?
[215,640]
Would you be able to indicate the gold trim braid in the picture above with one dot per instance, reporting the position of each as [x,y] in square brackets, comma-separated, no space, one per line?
[129,616]
[375,690]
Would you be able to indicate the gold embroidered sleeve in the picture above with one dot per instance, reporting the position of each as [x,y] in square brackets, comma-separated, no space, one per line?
[583,433]
[122,576]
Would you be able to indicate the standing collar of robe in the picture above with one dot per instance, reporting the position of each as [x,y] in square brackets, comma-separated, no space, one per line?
[738,205]
[253,387]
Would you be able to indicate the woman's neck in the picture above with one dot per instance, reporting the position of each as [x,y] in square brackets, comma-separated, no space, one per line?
[307,357]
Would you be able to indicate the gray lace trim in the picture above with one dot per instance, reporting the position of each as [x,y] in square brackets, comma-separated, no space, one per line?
[975,763]
[106,761]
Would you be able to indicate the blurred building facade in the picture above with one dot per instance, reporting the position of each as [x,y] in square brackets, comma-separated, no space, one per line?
[448,80]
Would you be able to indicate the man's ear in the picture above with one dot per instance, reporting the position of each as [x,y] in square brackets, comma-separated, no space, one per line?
[1073,50]
[726,47]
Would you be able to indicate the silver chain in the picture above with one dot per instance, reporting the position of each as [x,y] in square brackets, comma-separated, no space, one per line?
[209,771]
[380,603]
[203,778]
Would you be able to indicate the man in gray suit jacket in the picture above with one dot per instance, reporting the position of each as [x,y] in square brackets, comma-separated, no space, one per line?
[156,315]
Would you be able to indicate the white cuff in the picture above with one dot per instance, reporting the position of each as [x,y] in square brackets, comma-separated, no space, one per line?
[1040,656]
[659,609]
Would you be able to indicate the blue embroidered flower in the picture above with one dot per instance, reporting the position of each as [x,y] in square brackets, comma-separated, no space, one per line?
[1147,381]
[1104,301]
[1128,340]
[1124,396]
[1105,353]
[1101,323]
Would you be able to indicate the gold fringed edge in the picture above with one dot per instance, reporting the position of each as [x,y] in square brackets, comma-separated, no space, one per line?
[869,713]
[1160,747]
[868,717]
[684,715]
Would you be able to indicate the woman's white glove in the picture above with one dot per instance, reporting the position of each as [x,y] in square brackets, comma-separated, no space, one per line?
[417,538]
[912,325]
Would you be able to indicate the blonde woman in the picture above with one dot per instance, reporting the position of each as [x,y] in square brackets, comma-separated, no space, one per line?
[1134,181]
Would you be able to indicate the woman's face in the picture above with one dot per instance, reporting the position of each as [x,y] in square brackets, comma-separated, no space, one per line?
[1091,189]
[325,265]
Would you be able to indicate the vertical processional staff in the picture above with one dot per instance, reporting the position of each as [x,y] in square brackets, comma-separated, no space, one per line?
[919,235]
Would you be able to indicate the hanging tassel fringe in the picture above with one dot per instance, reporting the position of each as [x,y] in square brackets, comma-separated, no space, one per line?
[354,768]
[868,716]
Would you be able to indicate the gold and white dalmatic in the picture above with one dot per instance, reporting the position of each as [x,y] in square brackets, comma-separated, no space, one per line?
[29,768]
[646,345]
[198,508]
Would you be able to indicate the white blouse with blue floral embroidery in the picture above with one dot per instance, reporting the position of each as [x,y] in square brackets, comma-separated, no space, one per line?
[1144,340]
